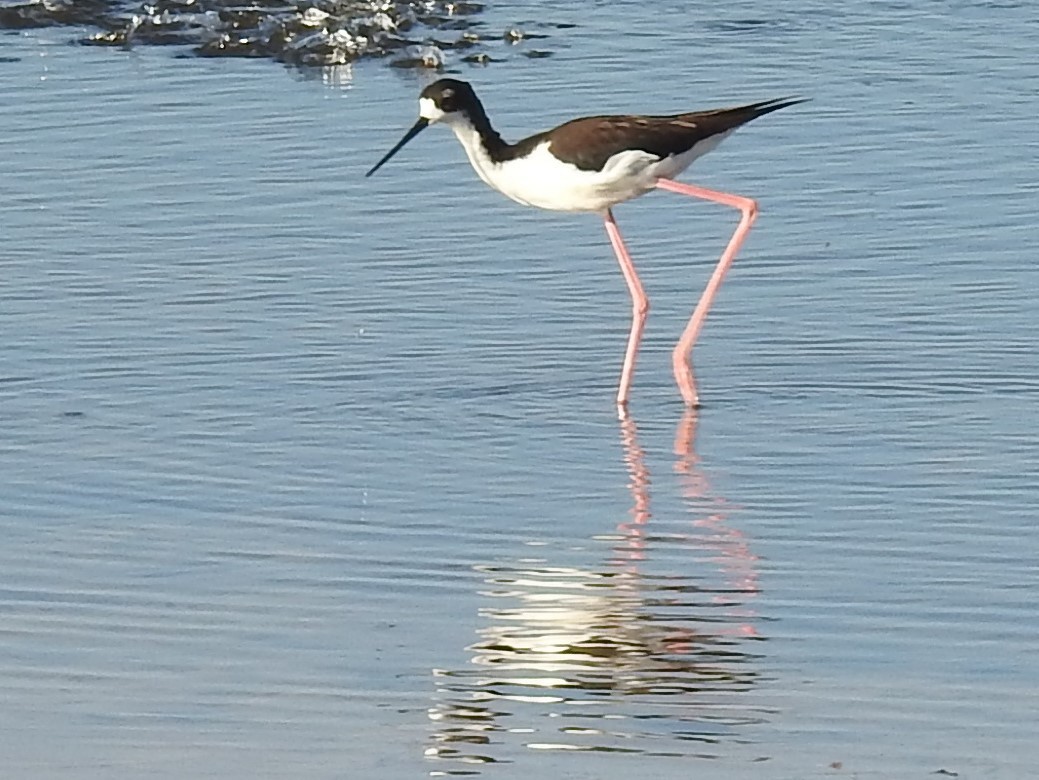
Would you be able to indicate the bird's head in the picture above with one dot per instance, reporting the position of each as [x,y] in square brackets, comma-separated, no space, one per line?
[445,100]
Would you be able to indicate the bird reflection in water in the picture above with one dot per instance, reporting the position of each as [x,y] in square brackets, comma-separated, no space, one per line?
[647,653]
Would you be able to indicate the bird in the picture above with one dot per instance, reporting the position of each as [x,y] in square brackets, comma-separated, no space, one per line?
[593,163]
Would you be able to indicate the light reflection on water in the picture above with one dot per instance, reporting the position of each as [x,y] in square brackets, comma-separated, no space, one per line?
[623,657]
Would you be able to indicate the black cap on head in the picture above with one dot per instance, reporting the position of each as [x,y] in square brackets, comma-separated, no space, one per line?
[450,95]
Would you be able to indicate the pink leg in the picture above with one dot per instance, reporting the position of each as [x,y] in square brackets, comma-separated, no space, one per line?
[680,358]
[639,309]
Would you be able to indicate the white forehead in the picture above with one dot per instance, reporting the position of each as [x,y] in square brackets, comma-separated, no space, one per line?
[427,109]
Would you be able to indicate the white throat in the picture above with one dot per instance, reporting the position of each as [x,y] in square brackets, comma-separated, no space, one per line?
[471,141]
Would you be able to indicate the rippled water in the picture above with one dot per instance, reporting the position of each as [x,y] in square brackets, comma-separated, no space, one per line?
[307,475]
[408,33]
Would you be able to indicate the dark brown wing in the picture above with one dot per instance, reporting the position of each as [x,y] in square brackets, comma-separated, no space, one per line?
[588,143]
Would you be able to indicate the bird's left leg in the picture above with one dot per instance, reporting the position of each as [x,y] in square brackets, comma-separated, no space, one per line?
[681,357]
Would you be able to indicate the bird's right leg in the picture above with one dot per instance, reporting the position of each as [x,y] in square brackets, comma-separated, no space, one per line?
[639,310]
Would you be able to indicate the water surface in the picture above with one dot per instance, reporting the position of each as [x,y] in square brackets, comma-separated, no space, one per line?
[307,475]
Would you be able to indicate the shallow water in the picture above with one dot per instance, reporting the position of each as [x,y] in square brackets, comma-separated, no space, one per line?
[307,475]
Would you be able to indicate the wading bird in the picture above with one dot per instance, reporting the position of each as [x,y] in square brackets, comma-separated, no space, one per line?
[592,164]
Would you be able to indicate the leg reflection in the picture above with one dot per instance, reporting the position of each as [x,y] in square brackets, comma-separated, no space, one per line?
[633,649]
[728,545]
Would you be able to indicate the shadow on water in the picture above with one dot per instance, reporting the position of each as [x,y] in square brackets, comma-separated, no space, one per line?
[642,654]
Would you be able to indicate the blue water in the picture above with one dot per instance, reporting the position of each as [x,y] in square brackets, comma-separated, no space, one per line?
[308,475]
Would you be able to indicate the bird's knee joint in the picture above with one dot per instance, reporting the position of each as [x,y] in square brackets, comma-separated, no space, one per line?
[641,308]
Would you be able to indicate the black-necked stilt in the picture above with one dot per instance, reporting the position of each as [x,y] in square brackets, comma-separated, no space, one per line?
[592,164]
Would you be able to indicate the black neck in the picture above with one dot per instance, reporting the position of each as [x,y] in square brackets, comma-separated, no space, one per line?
[497,149]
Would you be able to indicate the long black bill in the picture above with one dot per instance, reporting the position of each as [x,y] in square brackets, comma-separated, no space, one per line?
[417,128]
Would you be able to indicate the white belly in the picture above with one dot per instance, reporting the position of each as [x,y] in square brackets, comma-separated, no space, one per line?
[541,180]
